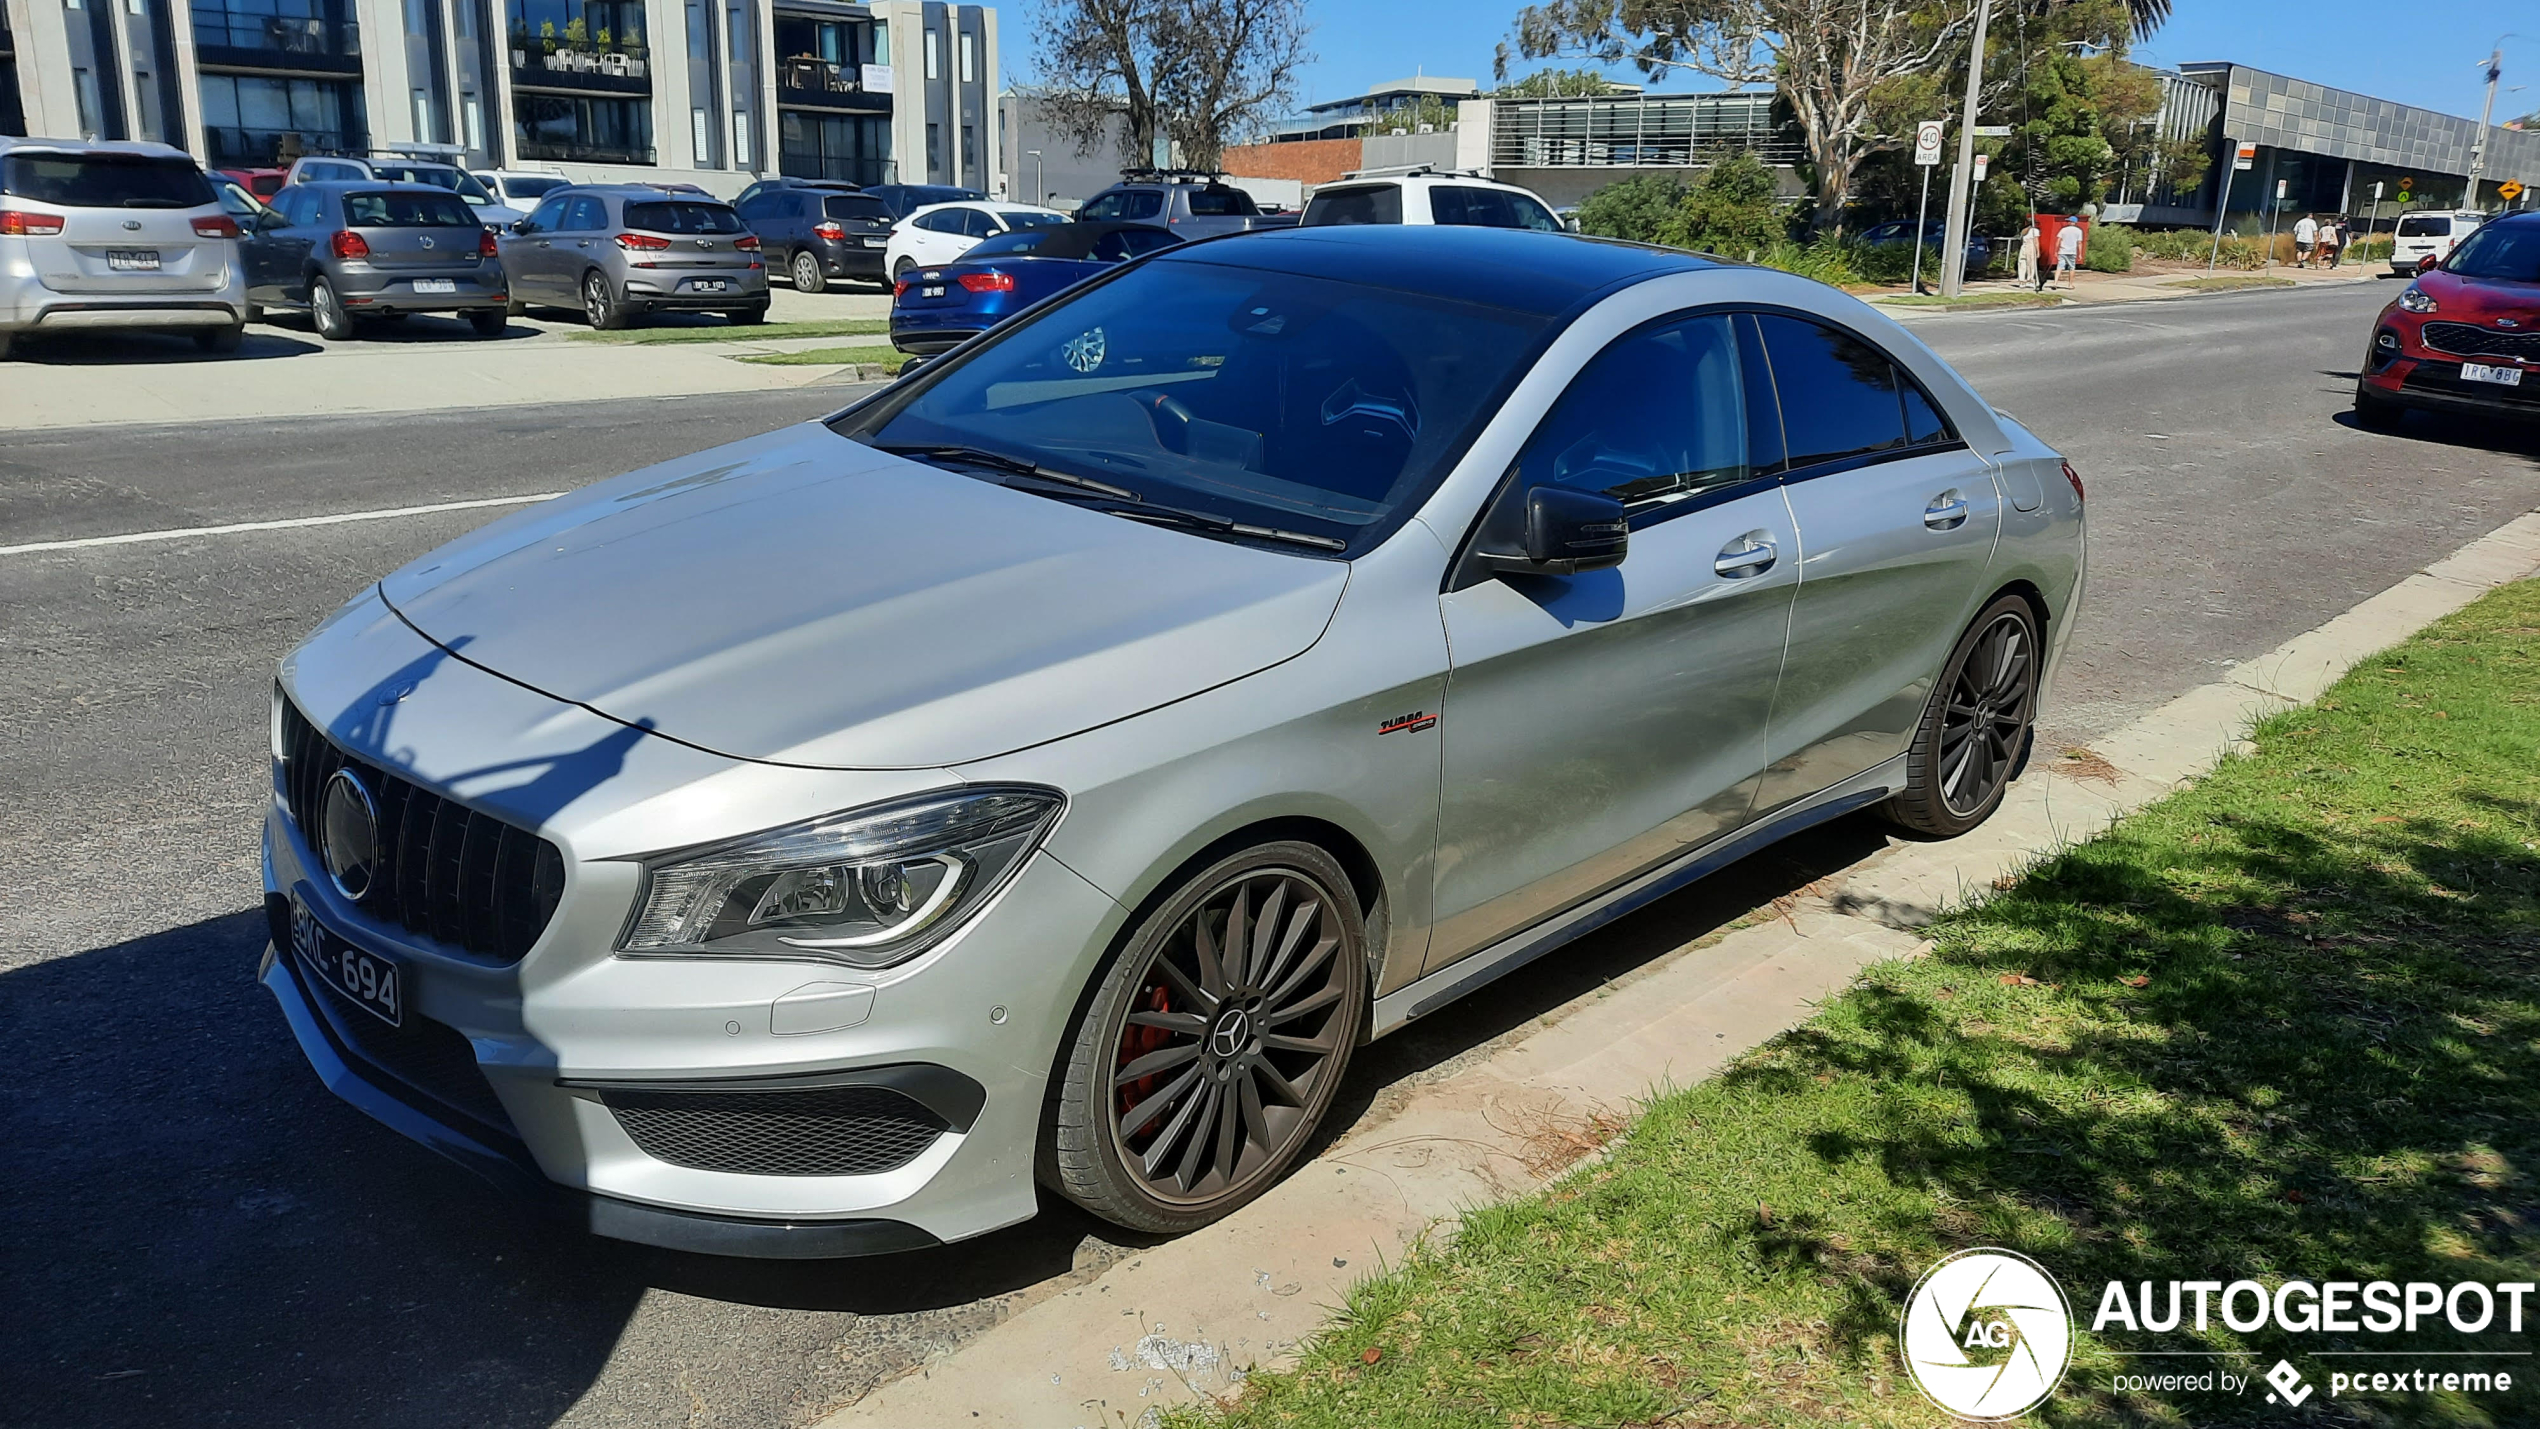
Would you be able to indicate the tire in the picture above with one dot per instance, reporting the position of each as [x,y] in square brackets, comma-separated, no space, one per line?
[1222,1126]
[515,309]
[7,340]
[255,314]
[488,322]
[326,312]
[221,339]
[807,275]
[1975,732]
[2375,412]
[600,306]
[746,317]
[901,270]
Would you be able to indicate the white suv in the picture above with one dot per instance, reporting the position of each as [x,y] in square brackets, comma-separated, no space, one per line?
[97,234]
[2430,235]
[1423,195]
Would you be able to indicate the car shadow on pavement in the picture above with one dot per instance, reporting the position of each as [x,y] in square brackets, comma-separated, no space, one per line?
[2449,429]
[124,349]
[199,1233]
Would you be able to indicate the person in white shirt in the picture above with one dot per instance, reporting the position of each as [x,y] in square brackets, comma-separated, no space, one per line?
[2028,258]
[2067,251]
[2306,237]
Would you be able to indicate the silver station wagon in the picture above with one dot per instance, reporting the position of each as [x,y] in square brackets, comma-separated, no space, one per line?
[1044,773]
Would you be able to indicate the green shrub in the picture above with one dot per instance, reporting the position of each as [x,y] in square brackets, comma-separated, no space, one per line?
[1637,209]
[2364,250]
[2111,249]
[1731,212]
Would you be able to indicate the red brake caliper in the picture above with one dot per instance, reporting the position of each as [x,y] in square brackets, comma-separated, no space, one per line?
[1136,1043]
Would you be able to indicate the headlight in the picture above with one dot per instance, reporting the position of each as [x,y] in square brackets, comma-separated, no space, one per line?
[2416,300]
[871,886]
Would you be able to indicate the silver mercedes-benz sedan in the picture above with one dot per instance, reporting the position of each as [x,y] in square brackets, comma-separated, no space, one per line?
[1046,771]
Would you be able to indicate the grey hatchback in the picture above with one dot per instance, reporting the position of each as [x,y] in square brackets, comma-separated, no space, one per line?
[623,250]
[343,252]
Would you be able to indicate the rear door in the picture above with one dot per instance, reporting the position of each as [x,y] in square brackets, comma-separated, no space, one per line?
[701,243]
[126,222]
[415,233]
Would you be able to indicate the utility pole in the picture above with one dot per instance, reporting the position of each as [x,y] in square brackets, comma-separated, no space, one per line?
[1953,267]
[2478,149]
[2222,205]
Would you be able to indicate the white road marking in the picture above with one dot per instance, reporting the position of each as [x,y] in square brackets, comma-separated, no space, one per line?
[134,538]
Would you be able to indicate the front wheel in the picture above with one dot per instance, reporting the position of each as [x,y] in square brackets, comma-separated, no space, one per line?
[600,305]
[1975,731]
[2374,411]
[807,275]
[1215,1043]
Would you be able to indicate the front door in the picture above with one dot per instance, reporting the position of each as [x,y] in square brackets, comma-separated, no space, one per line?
[529,256]
[276,252]
[1897,520]
[1598,725]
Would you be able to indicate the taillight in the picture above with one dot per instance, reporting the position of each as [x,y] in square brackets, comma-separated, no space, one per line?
[831,231]
[988,282]
[2075,478]
[219,225]
[348,244]
[900,288]
[486,247]
[17,224]
[641,243]
[747,243]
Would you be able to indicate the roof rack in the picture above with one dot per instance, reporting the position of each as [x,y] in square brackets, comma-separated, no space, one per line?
[1413,171]
[1208,175]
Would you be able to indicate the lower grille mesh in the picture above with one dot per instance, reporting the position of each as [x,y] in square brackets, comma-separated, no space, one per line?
[841,1131]
[430,1057]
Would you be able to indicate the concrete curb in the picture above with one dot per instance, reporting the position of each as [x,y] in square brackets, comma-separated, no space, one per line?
[2150,288]
[1191,1317]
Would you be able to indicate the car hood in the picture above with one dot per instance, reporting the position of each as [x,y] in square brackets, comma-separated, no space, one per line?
[804,599]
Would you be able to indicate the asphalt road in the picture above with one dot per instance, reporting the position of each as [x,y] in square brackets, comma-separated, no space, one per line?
[198,1234]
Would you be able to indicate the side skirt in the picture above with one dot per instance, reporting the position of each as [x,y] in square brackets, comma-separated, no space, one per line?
[1477,970]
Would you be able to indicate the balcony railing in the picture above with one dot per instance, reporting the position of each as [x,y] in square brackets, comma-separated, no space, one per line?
[263,36]
[235,148]
[549,61]
[578,152]
[1640,131]
[810,164]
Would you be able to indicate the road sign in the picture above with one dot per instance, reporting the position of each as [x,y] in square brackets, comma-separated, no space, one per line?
[2509,190]
[1927,142]
[2246,157]
[1981,161]
[2279,189]
[1993,131]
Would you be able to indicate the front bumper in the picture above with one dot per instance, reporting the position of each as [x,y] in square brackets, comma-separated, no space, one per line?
[2423,377]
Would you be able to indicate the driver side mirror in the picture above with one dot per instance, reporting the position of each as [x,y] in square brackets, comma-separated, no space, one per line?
[523,227]
[1553,531]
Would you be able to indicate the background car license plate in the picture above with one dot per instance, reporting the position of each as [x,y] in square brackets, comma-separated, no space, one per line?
[132,260]
[371,982]
[708,285]
[877,243]
[2481,372]
[436,285]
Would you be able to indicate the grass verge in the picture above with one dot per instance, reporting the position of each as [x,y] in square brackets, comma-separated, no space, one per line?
[888,358]
[725,332]
[2284,1024]
[2226,282]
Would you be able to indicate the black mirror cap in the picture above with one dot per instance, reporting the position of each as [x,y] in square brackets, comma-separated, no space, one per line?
[521,226]
[1565,533]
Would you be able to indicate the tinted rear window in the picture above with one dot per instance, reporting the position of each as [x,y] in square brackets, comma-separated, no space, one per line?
[1381,203]
[530,188]
[2425,227]
[408,210]
[1214,202]
[682,218]
[1009,244]
[855,206]
[105,181]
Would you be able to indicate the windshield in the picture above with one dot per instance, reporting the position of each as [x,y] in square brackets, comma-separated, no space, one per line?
[682,218]
[531,188]
[440,176]
[1008,244]
[2504,250]
[1033,220]
[1298,403]
[105,180]
[2424,227]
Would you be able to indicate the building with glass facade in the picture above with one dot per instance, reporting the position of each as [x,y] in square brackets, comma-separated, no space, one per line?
[711,92]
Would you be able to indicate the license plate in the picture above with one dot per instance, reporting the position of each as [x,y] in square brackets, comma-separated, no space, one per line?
[436,285]
[371,982]
[2481,372]
[934,292]
[132,260]
[877,243]
[709,285]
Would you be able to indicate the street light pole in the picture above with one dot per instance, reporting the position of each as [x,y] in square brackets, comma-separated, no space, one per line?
[1953,265]
[2478,150]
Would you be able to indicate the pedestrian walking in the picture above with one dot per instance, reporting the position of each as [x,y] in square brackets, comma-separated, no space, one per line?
[2028,258]
[2067,253]
[2333,240]
[2306,235]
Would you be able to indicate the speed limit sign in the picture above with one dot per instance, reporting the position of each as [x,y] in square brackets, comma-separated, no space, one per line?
[1927,142]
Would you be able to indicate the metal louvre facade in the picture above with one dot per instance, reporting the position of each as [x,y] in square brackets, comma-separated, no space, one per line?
[1639,131]
[2296,114]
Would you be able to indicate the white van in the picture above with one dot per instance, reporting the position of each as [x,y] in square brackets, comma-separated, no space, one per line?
[2430,235]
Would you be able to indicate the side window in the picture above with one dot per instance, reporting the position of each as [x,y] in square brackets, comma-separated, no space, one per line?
[1112,248]
[980,225]
[755,208]
[1142,241]
[1458,206]
[1924,425]
[938,222]
[1105,208]
[1375,203]
[1838,393]
[1659,416]
[585,215]
[548,217]
[1530,214]
[1763,407]
[304,208]
[1221,201]
[1143,203]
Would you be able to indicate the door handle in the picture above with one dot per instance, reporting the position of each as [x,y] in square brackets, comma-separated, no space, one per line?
[543,243]
[1947,512]
[1749,555]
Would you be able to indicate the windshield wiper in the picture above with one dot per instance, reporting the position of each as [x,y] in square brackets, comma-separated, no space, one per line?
[1202,521]
[999,461]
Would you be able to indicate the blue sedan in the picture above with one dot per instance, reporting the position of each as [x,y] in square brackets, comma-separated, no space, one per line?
[933,309]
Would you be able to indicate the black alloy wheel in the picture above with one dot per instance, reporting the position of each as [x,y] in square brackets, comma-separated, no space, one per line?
[1215,1043]
[1975,732]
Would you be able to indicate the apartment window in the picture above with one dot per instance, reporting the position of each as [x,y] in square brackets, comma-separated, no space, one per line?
[70,4]
[701,134]
[969,59]
[424,126]
[969,151]
[91,103]
[606,131]
[934,54]
[934,148]
[741,141]
[472,114]
[700,31]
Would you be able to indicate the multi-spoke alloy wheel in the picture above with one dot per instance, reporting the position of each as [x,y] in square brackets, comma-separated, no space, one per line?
[1215,1043]
[1977,727]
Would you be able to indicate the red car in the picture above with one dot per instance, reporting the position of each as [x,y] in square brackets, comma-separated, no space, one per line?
[2465,336]
[263,183]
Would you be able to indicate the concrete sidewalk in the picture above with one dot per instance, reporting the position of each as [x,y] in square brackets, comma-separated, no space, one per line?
[1190,1317]
[2090,289]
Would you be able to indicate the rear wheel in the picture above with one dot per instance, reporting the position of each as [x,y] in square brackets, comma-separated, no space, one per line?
[221,339]
[2376,411]
[901,270]
[600,305]
[1976,729]
[488,322]
[807,275]
[326,311]
[1215,1044]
